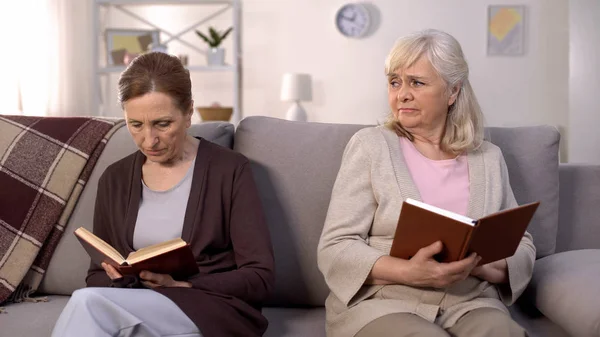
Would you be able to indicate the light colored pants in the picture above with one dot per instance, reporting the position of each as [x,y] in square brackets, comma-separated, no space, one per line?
[101,312]
[483,322]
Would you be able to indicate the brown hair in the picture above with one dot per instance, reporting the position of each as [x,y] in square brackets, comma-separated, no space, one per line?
[156,72]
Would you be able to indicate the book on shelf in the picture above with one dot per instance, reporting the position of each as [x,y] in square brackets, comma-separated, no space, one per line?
[493,237]
[173,257]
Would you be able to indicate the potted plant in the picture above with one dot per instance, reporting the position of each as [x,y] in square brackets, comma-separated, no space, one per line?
[215,55]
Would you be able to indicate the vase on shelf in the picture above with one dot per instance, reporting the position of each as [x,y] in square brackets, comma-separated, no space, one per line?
[215,56]
[157,47]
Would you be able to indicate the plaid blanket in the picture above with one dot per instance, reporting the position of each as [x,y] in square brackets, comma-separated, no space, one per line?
[44,165]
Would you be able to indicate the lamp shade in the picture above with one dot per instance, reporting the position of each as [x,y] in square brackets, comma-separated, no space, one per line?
[296,87]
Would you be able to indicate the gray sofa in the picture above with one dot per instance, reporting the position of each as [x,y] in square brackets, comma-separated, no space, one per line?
[295,165]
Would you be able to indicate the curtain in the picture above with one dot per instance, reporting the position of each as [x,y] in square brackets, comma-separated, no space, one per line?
[46,58]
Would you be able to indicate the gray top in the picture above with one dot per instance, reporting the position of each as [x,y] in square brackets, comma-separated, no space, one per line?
[161,213]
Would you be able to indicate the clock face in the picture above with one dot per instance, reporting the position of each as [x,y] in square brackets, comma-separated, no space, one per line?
[352,20]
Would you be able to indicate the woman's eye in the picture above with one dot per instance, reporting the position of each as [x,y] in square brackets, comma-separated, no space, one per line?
[136,125]
[417,83]
[163,124]
[394,84]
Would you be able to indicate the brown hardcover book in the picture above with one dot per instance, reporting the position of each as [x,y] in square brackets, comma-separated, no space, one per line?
[173,257]
[493,237]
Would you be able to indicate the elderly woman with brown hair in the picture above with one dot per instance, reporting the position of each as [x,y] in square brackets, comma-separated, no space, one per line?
[174,186]
[431,150]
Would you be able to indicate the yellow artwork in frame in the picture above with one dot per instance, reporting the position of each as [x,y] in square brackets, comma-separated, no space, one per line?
[506,30]
[123,45]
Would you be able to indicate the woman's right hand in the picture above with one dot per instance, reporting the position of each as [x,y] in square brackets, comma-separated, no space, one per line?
[425,271]
[112,273]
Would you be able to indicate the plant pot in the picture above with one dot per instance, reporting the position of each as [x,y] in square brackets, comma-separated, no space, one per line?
[215,113]
[215,57]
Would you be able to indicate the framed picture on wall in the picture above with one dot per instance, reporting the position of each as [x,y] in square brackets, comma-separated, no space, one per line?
[506,30]
[122,45]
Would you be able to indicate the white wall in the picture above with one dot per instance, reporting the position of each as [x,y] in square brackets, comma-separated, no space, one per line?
[349,84]
[584,82]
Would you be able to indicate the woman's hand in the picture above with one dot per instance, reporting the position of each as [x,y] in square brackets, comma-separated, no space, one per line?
[153,280]
[112,273]
[494,272]
[424,270]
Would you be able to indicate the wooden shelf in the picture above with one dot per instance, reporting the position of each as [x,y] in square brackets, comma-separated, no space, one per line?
[119,69]
[163,2]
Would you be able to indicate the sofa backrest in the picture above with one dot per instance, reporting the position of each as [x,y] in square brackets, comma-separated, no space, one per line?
[531,155]
[295,165]
[69,264]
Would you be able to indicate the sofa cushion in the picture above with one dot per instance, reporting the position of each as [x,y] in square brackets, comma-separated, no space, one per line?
[38,319]
[216,132]
[579,214]
[32,319]
[531,155]
[69,264]
[536,324]
[565,288]
[295,165]
[295,322]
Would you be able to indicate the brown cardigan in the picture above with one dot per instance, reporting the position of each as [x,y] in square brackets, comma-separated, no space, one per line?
[225,226]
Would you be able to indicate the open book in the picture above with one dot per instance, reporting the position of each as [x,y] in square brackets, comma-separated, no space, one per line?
[493,237]
[172,257]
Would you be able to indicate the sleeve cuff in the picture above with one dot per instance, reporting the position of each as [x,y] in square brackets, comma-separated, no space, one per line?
[519,275]
[351,269]
[127,281]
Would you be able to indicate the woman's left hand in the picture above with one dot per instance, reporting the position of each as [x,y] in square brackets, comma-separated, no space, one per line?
[494,272]
[153,280]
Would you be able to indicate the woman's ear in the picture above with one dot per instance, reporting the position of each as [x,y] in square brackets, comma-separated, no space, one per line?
[189,114]
[454,94]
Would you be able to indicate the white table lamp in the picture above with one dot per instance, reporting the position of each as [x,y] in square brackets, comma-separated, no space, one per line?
[296,88]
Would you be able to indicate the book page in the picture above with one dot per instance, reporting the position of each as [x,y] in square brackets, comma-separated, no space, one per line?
[440,211]
[154,250]
[99,244]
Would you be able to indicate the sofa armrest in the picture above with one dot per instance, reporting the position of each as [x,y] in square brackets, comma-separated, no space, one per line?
[565,288]
[579,210]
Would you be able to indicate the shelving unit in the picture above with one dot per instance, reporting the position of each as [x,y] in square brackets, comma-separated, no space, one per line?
[118,69]
[101,69]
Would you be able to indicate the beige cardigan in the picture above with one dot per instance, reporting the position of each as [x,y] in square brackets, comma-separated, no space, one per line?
[372,182]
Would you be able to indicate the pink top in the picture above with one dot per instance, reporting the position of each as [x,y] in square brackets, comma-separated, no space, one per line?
[441,183]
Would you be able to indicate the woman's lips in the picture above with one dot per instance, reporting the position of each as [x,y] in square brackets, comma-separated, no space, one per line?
[153,152]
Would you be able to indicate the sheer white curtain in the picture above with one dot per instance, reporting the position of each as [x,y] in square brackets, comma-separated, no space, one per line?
[46,57]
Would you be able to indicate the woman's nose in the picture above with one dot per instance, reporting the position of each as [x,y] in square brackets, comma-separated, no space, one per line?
[404,94]
[150,137]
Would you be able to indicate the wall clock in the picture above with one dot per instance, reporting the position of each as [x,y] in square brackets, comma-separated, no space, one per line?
[353,20]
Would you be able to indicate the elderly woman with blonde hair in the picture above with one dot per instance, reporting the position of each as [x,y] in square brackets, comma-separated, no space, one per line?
[432,149]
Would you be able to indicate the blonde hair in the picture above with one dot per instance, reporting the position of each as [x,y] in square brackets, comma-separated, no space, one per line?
[464,123]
